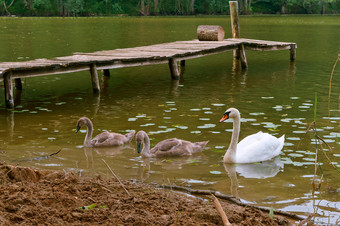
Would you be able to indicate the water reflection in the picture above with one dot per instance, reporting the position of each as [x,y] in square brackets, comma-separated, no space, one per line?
[255,170]
[104,152]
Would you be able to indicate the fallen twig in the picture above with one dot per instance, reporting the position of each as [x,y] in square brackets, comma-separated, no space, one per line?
[37,158]
[221,211]
[305,220]
[116,177]
[232,200]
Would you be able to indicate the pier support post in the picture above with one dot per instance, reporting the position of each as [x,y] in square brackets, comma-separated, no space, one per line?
[18,84]
[292,52]
[106,72]
[8,90]
[182,67]
[94,77]
[239,53]
[173,69]
[243,58]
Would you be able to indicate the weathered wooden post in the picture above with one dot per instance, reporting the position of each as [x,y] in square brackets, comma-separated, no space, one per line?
[182,67]
[292,52]
[106,72]
[94,77]
[8,90]
[18,84]
[239,54]
[173,69]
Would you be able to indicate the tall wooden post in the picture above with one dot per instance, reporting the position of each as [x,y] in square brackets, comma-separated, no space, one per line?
[94,77]
[8,90]
[239,54]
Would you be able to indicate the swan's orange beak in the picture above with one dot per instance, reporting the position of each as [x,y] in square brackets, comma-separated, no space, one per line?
[225,117]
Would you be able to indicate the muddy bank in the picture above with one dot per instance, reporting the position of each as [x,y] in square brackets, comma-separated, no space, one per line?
[32,197]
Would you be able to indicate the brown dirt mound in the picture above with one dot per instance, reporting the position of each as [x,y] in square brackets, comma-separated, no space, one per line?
[35,197]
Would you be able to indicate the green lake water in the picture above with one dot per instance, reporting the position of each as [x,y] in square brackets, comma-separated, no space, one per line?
[273,96]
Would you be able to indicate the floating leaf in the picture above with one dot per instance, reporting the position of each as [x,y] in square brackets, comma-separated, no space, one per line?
[215,172]
[214,165]
[218,150]
[274,129]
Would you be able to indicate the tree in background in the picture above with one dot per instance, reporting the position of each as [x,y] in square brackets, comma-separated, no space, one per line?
[162,7]
[7,6]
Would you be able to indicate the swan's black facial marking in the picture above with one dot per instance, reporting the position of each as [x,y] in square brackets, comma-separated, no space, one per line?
[225,116]
[227,113]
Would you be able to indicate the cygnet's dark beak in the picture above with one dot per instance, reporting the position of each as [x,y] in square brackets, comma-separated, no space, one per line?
[78,128]
[139,147]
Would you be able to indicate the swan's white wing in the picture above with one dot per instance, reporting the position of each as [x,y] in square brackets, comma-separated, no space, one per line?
[258,147]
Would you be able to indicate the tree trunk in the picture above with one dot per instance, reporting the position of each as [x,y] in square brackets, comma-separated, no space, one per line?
[323,7]
[283,8]
[142,8]
[7,7]
[246,7]
[192,6]
[155,7]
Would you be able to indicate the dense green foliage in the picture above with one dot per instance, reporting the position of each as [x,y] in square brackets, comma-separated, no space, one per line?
[162,7]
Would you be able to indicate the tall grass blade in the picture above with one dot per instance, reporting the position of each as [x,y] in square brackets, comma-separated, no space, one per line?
[330,82]
[315,103]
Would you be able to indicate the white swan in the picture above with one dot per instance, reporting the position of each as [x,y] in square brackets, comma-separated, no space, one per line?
[168,147]
[105,139]
[257,147]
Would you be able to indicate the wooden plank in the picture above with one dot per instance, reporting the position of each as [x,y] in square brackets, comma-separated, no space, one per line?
[145,56]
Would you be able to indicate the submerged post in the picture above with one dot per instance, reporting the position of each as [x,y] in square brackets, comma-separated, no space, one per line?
[239,54]
[8,90]
[94,77]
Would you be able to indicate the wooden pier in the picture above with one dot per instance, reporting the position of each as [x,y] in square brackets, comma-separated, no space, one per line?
[166,53]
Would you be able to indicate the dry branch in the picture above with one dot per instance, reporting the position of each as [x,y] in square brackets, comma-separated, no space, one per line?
[116,177]
[221,211]
[230,199]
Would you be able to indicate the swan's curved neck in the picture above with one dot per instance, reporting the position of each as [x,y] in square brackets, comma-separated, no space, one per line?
[89,132]
[146,146]
[230,155]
